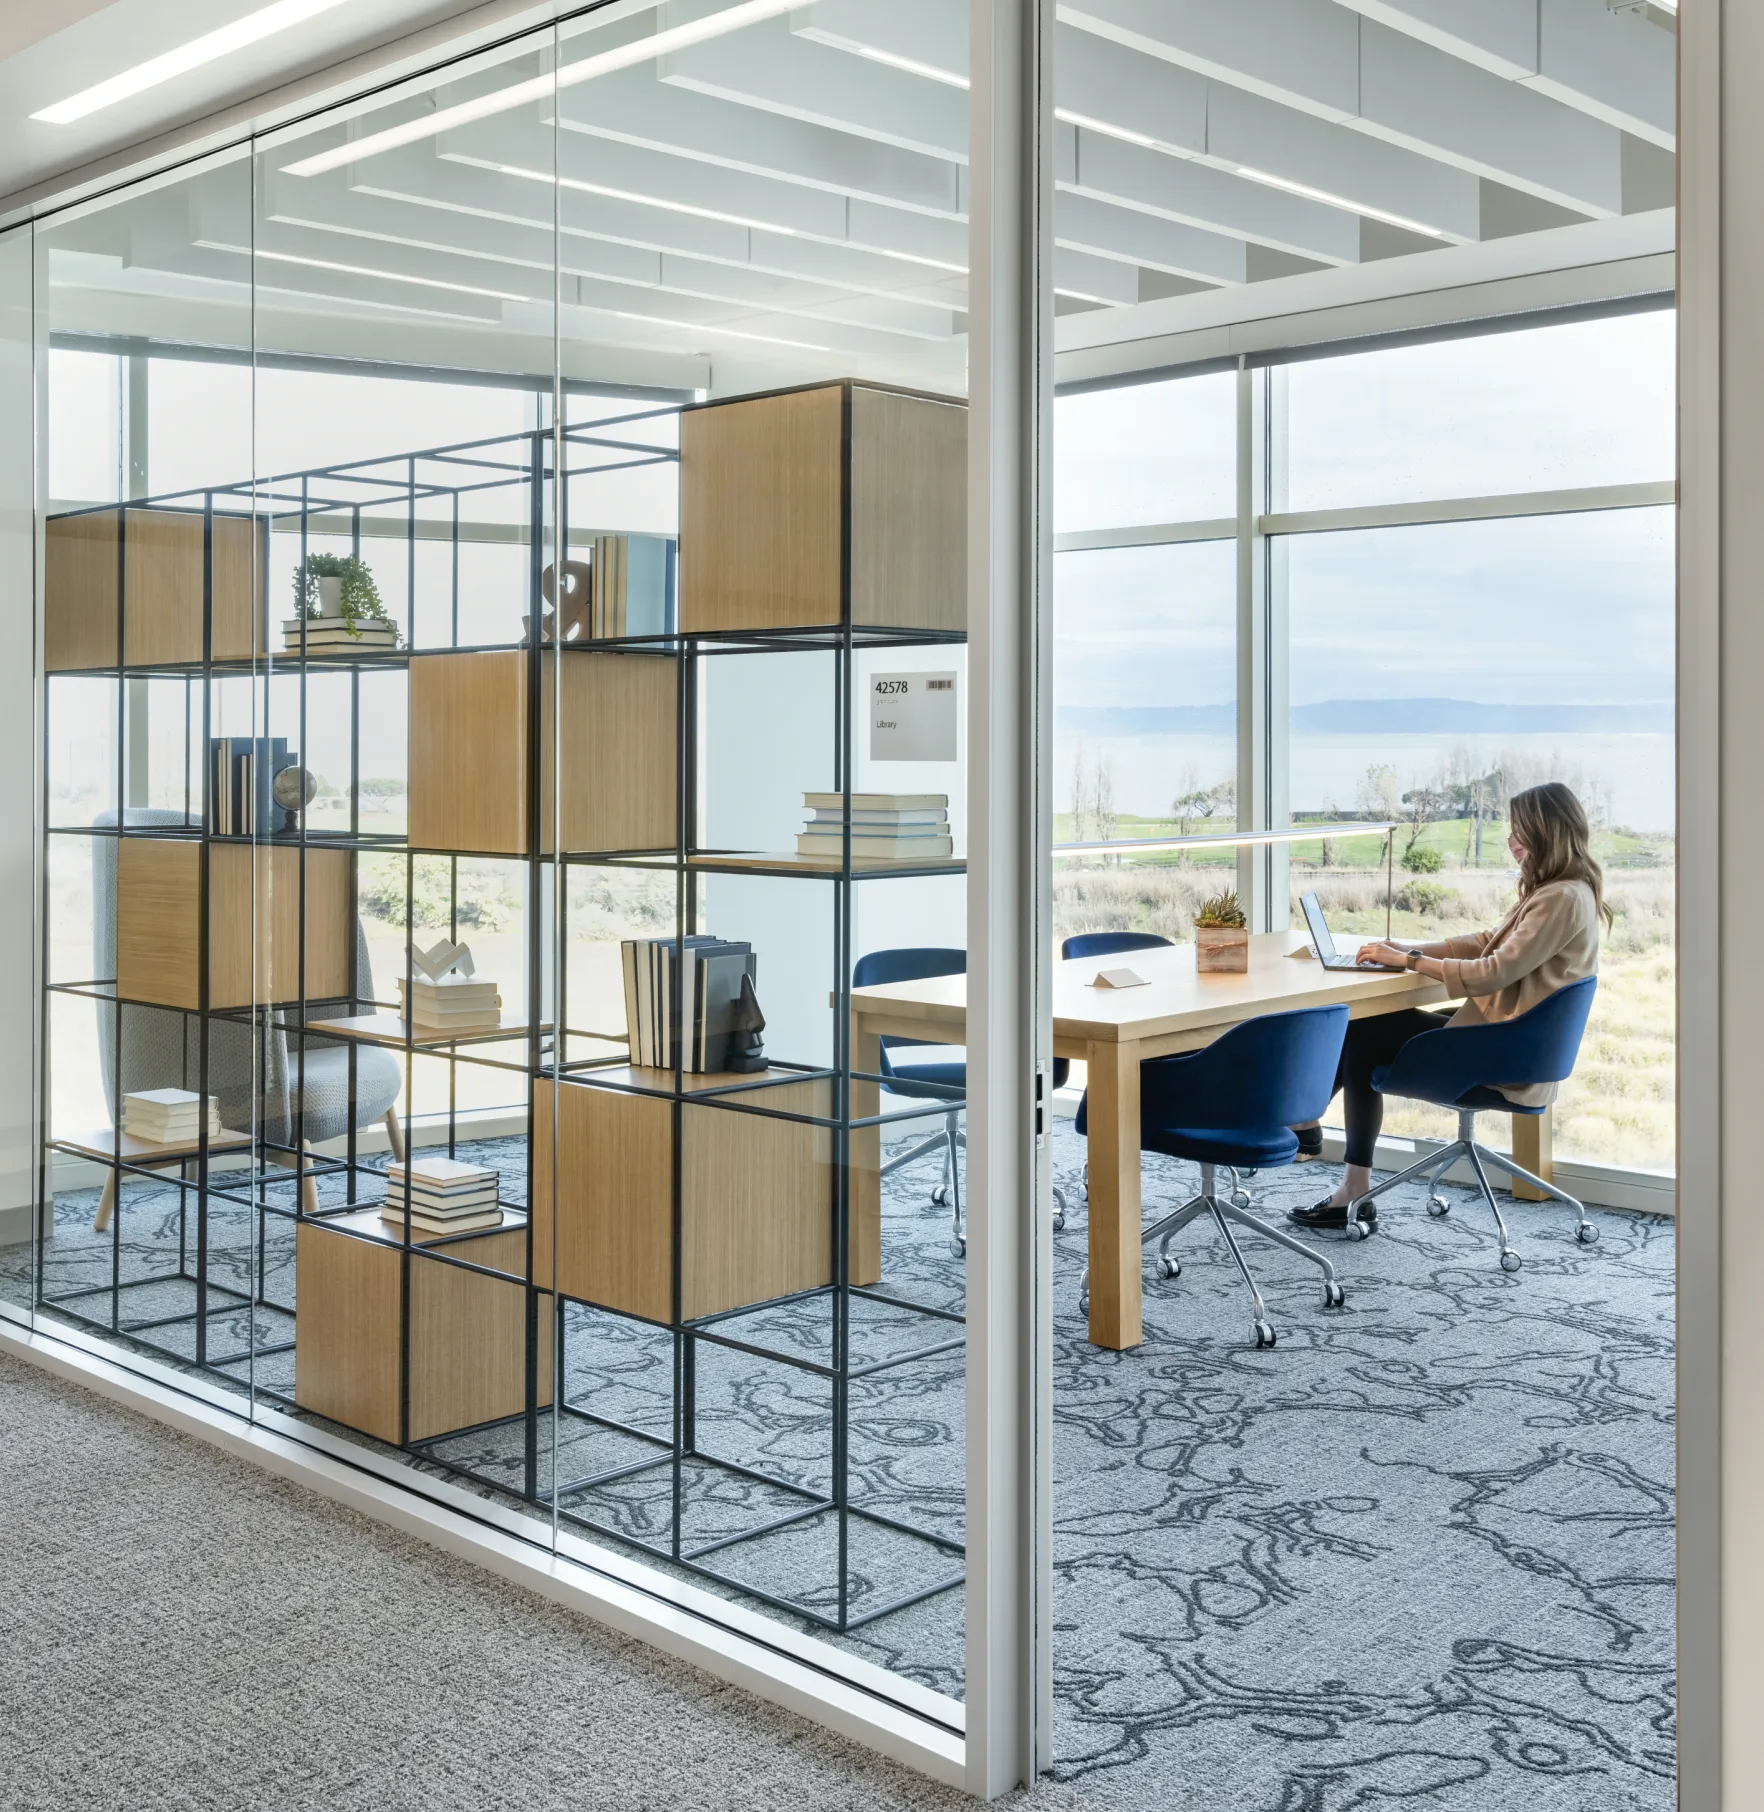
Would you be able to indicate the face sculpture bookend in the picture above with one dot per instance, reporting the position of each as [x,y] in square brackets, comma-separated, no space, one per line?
[747,1050]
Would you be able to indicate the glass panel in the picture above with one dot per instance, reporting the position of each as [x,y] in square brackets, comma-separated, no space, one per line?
[1385,723]
[1142,453]
[19,763]
[151,1090]
[1145,729]
[404,395]
[1543,408]
[763,506]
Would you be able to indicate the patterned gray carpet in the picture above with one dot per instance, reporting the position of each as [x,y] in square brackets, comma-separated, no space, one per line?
[1418,1555]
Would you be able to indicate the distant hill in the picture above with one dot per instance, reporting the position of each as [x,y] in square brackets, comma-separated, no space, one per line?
[1375,717]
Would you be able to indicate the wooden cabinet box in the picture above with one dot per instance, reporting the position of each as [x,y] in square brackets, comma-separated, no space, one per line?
[618,751]
[158,922]
[468,1332]
[161,569]
[756,1197]
[768,485]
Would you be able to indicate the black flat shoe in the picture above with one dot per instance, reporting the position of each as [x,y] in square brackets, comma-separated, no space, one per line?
[1326,1217]
[1310,1140]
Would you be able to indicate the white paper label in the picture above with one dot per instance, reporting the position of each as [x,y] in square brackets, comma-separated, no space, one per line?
[913,717]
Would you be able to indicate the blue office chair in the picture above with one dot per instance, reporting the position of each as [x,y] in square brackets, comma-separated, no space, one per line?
[1457,1066]
[934,1081]
[1234,1104]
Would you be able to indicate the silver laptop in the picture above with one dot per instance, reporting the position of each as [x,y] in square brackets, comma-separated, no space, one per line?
[1324,942]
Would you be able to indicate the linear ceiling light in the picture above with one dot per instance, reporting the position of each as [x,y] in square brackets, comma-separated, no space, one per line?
[538,88]
[365,270]
[249,30]
[1333,200]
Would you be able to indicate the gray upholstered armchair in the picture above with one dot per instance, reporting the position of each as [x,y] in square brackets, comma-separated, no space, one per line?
[299,1097]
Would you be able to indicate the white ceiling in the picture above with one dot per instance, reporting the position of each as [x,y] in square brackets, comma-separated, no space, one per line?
[793,194]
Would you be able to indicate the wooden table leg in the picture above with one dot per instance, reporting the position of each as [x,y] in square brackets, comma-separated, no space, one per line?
[866,1160]
[1533,1136]
[106,1202]
[1113,1112]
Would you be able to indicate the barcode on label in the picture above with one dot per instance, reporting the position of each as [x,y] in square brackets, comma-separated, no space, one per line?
[940,685]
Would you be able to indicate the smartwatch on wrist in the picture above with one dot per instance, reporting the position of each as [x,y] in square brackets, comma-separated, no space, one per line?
[1413,958]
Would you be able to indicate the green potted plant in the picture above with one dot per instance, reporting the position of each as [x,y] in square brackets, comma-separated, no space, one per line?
[1221,937]
[338,590]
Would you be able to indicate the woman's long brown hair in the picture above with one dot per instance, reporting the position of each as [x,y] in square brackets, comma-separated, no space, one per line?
[1552,825]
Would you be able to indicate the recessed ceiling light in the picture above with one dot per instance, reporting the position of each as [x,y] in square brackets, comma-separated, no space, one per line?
[1332,199]
[249,30]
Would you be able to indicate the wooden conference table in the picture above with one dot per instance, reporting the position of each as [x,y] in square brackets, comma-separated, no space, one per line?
[1113,1031]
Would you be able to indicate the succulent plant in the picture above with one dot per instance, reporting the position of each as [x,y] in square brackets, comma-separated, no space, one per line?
[1223,910]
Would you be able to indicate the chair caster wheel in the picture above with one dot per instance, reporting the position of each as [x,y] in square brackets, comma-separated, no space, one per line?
[1242,1200]
[1355,1228]
[1083,1302]
[1438,1206]
[940,1197]
[959,1247]
[1511,1261]
[1059,1220]
[1171,1267]
[1333,1296]
[1264,1335]
[1586,1233]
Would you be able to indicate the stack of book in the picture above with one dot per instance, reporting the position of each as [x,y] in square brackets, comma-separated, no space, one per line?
[885,827]
[455,1004]
[241,772]
[445,1196]
[331,635]
[682,988]
[169,1116]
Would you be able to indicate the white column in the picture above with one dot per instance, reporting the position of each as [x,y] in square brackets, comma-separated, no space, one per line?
[1010,1310]
[1261,644]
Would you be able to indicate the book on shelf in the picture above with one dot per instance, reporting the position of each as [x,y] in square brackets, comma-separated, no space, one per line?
[884,827]
[879,802]
[241,775]
[830,848]
[328,634]
[699,979]
[930,817]
[169,1116]
[452,1005]
[443,1207]
[441,1174]
[392,1213]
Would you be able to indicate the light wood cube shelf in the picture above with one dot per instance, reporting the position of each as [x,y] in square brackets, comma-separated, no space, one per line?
[756,1196]
[468,1332]
[161,568]
[158,922]
[470,750]
[769,483]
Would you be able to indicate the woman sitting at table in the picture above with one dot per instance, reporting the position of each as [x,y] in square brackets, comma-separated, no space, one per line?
[1549,939]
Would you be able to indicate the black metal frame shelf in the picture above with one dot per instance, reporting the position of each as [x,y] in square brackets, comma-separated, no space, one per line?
[408,500]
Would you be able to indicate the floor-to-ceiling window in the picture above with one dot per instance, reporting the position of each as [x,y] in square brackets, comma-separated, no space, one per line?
[1466,553]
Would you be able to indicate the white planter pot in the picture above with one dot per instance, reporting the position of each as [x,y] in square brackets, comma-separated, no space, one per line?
[330,593]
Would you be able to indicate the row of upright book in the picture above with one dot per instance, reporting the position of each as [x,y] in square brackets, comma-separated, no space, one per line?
[242,772]
[696,978]
[885,827]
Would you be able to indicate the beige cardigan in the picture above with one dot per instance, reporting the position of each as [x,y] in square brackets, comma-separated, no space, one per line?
[1548,940]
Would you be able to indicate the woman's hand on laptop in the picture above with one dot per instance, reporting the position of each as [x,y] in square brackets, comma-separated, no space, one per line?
[1383,955]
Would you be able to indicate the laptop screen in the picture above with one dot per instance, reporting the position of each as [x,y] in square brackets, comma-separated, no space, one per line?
[1319,926]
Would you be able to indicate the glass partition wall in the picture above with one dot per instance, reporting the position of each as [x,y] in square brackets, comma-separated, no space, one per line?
[504,681]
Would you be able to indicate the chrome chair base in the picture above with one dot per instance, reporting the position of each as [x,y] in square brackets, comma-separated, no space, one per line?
[1437,1163]
[1227,1214]
[948,1193]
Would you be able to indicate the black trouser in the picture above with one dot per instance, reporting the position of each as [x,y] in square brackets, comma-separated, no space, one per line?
[1370,1045]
